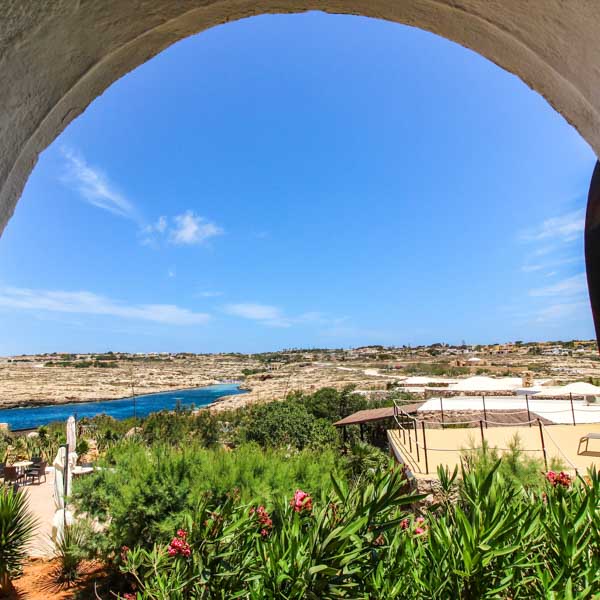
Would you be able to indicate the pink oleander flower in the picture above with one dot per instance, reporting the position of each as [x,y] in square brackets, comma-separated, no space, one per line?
[124,552]
[555,479]
[301,501]
[179,546]
[264,520]
[128,596]
[419,527]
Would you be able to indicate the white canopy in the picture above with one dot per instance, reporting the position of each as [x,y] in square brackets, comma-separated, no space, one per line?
[578,388]
[424,380]
[480,383]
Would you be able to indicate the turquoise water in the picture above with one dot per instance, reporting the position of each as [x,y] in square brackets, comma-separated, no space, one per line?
[30,418]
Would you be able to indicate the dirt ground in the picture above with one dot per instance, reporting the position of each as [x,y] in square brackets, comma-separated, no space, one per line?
[38,582]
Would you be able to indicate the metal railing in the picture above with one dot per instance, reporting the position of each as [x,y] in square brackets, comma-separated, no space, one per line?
[415,448]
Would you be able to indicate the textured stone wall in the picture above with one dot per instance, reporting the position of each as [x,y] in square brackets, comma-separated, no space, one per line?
[56,56]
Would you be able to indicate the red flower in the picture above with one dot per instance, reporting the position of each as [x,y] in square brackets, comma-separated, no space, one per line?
[563,479]
[301,501]
[179,546]
[128,596]
[404,524]
[264,520]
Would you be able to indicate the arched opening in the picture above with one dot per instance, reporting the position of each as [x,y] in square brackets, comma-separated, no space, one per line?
[74,53]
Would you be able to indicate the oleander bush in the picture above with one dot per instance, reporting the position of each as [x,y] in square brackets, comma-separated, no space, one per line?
[495,540]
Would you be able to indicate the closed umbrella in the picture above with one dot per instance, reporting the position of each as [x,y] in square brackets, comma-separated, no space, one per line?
[71,434]
[61,516]
[62,481]
[72,444]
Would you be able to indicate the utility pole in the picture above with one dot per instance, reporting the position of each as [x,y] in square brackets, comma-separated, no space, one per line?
[132,381]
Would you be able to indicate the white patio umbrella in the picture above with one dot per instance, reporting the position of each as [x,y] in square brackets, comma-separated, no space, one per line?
[61,515]
[72,444]
[71,434]
[62,487]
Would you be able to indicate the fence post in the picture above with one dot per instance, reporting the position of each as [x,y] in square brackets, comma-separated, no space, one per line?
[425,446]
[416,439]
[528,413]
[442,411]
[543,444]
[482,436]
[484,411]
[572,409]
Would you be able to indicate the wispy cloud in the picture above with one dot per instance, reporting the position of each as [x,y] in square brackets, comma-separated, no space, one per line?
[565,228]
[272,316]
[264,313]
[95,187]
[187,229]
[559,262]
[553,242]
[160,226]
[571,286]
[209,294]
[191,229]
[84,302]
[561,311]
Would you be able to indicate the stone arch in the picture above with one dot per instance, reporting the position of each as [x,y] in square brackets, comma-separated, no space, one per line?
[56,57]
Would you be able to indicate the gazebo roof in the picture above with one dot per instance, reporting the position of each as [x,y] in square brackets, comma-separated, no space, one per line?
[374,414]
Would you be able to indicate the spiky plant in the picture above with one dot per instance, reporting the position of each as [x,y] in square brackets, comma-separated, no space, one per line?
[17,526]
[71,550]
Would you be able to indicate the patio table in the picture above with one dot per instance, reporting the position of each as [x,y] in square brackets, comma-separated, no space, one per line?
[82,470]
[22,464]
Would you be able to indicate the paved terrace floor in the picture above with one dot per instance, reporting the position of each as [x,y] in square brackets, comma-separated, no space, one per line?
[41,504]
[445,445]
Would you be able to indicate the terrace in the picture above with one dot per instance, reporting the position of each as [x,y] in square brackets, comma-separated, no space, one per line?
[428,440]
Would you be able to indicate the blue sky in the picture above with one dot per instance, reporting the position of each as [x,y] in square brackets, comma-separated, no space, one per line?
[302,180]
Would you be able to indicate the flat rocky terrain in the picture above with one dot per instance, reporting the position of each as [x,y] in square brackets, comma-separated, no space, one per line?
[50,379]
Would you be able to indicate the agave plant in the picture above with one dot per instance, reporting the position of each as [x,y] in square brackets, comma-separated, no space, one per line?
[17,526]
[71,549]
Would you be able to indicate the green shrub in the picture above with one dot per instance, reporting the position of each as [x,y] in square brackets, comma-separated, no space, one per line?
[287,423]
[516,466]
[311,551]
[141,493]
[496,540]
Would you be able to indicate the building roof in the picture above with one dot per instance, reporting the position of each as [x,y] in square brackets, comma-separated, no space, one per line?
[375,414]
